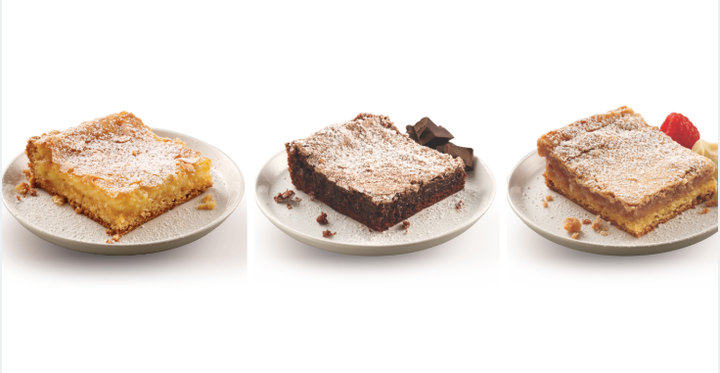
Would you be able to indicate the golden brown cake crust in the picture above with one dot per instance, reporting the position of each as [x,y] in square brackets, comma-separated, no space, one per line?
[116,171]
[140,221]
[647,229]
[620,157]
[118,153]
[629,173]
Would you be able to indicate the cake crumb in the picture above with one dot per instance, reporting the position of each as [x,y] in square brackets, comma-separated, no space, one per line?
[289,207]
[549,198]
[18,197]
[322,219]
[328,234]
[406,226]
[284,196]
[298,199]
[597,225]
[604,233]
[29,175]
[58,200]
[586,221]
[459,206]
[208,203]
[575,236]
[545,204]
[703,212]
[572,225]
[23,188]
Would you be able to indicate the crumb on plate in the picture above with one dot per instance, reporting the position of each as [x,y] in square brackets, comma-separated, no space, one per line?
[597,225]
[208,203]
[322,219]
[572,225]
[284,196]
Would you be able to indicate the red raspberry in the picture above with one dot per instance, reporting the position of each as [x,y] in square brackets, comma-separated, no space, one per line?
[680,129]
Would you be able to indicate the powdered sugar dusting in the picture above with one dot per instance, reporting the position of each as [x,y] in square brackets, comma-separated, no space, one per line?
[118,153]
[369,155]
[618,154]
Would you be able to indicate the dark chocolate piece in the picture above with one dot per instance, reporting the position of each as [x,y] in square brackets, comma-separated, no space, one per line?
[430,134]
[422,124]
[413,135]
[466,154]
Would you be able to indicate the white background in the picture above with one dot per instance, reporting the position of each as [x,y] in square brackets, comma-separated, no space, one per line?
[249,77]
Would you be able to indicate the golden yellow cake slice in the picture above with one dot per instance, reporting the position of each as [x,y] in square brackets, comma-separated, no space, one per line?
[117,171]
[631,174]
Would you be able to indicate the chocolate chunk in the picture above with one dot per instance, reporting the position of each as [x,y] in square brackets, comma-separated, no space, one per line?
[466,154]
[421,125]
[413,135]
[430,134]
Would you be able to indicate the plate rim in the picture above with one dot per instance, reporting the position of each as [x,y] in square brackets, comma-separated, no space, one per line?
[569,243]
[318,243]
[215,223]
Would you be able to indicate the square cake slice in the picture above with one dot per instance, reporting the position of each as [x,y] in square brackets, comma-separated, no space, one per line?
[117,171]
[617,166]
[369,171]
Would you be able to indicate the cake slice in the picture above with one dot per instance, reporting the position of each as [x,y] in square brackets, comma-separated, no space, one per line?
[617,166]
[117,171]
[369,171]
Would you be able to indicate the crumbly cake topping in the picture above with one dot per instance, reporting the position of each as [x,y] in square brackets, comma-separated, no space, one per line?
[620,155]
[369,155]
[118,153]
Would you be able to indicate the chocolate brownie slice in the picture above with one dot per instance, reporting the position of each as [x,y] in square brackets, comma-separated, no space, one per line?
[369,171]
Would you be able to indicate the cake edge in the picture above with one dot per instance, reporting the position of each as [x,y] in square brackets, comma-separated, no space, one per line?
[700,198]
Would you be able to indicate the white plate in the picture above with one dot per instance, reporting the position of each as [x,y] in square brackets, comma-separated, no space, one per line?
[526,190]
[430,227]
[60,225]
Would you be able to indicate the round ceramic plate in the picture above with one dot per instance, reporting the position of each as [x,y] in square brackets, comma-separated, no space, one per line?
[430,227]
[60,225]
[526,191]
